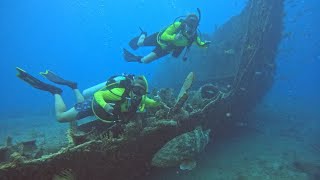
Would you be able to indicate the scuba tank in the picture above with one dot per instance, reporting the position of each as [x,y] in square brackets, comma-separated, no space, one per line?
[89,92]
[122,81]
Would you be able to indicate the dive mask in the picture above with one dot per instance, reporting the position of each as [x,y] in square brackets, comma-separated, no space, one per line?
[139,91]
[189,31]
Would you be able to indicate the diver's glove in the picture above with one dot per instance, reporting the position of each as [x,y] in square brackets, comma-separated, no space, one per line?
[207,43]
[109,108]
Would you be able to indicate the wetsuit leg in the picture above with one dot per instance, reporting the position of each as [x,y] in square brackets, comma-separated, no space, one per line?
[84,109]
[151,40]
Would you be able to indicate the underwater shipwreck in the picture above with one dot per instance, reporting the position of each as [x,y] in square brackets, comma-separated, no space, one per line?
[242,63]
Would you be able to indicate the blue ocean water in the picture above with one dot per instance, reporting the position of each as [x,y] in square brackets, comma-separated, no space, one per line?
[83,41]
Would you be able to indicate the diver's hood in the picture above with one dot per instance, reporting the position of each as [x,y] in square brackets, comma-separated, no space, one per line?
[192,21]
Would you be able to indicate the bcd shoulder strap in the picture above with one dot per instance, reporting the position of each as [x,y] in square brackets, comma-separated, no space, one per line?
[125,83]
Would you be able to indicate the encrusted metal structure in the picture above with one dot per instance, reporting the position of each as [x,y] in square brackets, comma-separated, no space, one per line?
[247,44]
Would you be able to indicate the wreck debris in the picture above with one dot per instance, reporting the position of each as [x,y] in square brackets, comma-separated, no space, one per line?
[183,95]
[66,174]
[8,141]
[181,101]
[128,157]
[166,96]
[162,113]
[4,154]
[209,91]
[5,151]
[17,158]
[159,125]
[186,85]
[76,137]
[312,169]
[181,148]
[28,148]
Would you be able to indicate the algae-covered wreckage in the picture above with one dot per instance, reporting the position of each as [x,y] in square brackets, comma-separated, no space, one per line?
[249,40]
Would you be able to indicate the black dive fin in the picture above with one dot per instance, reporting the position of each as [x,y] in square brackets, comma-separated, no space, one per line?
[133,43]
[129,57]
[36,83]
[58,80]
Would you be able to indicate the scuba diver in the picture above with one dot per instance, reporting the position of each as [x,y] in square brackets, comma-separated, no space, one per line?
[119,100]
[173,39]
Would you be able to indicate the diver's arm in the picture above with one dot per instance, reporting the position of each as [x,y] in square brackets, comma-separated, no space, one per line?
[98,97]
[150,103]
[202,43]
[170,33]
[103,97]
